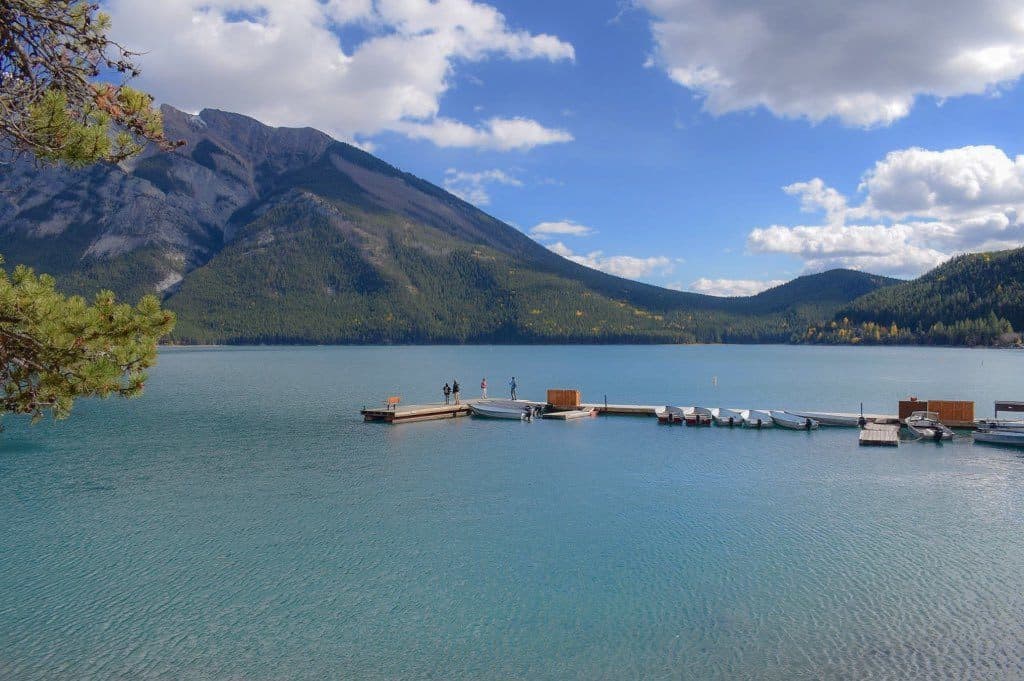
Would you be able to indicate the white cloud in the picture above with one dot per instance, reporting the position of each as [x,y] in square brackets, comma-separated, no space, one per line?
[864,62]
[472,187]
[626,266]
[733,287]
[502,134]
[560,228]
[920,207]
[283,62]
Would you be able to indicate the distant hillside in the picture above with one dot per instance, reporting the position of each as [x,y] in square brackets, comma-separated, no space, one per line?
[975,299]
[255,234]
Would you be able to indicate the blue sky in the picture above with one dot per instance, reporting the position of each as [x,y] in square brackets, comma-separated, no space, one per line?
[652,138]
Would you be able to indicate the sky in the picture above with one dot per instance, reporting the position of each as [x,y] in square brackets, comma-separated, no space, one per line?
[718,146]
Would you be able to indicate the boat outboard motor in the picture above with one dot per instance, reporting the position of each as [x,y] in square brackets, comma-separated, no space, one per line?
[731,421]
[759,424]
[807,424]
[938,435]
[861,422]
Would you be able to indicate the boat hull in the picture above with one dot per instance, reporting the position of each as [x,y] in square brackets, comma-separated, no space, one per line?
[833,420]
[927,427]
[669,415]
[758,420]
[792,422]
[729,418]
[1006,438]
[699,416]
[497,412]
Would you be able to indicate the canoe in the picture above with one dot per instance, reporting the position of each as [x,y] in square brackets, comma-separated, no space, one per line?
[1010,438]
[729,417]
[926,425]
[669,414]
[699,416]
[758,419]
[826,419]
[499,410]
[784,419]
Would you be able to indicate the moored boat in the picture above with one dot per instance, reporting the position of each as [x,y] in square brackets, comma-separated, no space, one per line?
[756,418]
[699,416]
[927,426]
[1001,425]
[784,419]
[670,415]
[1003,436]
[501,410]
[728,417]
[830,419]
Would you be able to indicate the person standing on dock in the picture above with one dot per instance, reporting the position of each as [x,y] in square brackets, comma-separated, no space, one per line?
[483,388]
[455,391]
[512,386]
[447,390]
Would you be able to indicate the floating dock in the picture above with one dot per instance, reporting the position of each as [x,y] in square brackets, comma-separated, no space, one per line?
[426,412]
[411,414]
[570,414]
[880,435]
[434,412]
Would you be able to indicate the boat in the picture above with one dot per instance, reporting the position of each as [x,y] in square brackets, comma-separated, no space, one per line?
[570,414]
[926,425]
[1001,425]
[699,416]
[728,417]
[669,414]
[501,410]
[758,419]
[1000,436]
[836,420]
[784,419]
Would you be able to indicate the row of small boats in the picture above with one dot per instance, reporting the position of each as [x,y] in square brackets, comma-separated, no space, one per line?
[924,424]
[745,418]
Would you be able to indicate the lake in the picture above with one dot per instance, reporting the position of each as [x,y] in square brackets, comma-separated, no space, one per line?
[241,521]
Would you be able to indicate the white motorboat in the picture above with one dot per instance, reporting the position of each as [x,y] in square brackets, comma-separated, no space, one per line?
[670,415]
[758,419]
[829,419]
[1000,436]
[728,417]
[784,419]
[699,416]
[501,410]
[926,425]
[1001,425]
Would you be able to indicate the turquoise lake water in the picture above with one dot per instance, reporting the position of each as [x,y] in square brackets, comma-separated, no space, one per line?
[241,522]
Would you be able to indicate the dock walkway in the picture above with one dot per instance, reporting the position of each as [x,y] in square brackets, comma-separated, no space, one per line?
[880,435]
[433,412]
[427,412]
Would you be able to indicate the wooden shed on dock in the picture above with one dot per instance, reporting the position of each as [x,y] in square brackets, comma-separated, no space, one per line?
[564,399]
[954,413]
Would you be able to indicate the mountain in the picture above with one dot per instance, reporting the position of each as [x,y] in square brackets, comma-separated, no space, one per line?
[260,234]
[973,299]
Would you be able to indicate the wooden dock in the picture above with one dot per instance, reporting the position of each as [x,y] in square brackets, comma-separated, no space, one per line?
[880,435]
[433,412]
[413,413]
[426,412]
